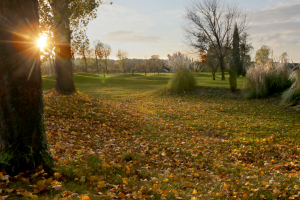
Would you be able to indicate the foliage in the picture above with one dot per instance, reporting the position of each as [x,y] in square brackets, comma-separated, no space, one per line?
[267,79]
[235,62]
[292,95]
[262,55]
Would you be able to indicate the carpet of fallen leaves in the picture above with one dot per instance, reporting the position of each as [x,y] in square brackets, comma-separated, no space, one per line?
[165,146]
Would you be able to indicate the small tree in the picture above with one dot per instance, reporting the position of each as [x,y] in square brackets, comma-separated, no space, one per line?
[262,55]
[106,54]
[123,57]
[99,52]
[213,64]
[155,59]
[245,49]
[82,45]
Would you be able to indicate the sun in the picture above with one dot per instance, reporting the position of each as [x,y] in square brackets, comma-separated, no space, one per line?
[42,42]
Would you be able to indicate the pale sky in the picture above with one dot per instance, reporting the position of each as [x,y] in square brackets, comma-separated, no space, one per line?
[154,27]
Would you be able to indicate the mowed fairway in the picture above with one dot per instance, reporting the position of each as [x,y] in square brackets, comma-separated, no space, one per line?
[133,139]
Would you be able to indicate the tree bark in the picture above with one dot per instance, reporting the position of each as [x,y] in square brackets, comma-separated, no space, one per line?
[22,130]
[62,42]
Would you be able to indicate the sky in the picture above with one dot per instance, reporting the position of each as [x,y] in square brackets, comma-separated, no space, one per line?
[155,27]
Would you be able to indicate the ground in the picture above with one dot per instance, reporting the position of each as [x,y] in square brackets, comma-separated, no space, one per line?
[128,137]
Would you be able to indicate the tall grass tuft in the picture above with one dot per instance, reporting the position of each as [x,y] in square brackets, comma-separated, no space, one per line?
[267,79]
[183,78]
[292,95]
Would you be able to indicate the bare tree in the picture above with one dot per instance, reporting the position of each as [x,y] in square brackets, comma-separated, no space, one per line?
[211,24]
[123,57]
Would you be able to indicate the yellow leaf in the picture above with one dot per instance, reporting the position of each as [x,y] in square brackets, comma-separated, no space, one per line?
[40,183]
[26,194]
[264,183]
[9,190]
[174,191]
[33,196]
[276,191]
[93,178]
[101,184]
[49,181]
[125,181]
[57,175]
[166,180]
[194,191]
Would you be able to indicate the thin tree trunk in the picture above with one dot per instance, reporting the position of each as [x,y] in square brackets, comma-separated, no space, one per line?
[97,63]
[85,65]
[22,130]
[222,69]
[62,37]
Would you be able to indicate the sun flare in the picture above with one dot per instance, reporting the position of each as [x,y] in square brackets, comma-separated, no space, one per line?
[42,42]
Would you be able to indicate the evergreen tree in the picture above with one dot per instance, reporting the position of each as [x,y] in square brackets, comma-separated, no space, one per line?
[235,62]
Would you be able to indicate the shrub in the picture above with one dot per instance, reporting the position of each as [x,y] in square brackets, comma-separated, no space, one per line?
[292,95]
[183,78]
[267,79]
[233,80]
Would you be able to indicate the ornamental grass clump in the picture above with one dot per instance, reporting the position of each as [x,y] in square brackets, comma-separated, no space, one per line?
[292,95]
[267,79]
[183,78]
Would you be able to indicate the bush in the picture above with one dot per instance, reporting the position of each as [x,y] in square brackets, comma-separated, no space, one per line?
[233,80]
[182,80]
[264,80]
[292,95]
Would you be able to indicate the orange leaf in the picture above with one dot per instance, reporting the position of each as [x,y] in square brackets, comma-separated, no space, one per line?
[85,197]
[122,195]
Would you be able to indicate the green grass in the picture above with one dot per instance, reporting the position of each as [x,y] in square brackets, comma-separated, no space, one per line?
[208,140]
[115,86]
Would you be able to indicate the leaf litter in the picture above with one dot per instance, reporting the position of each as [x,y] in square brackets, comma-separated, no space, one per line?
[156,149]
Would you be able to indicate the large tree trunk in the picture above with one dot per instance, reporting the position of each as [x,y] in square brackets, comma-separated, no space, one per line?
[22,130]
[62,40]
